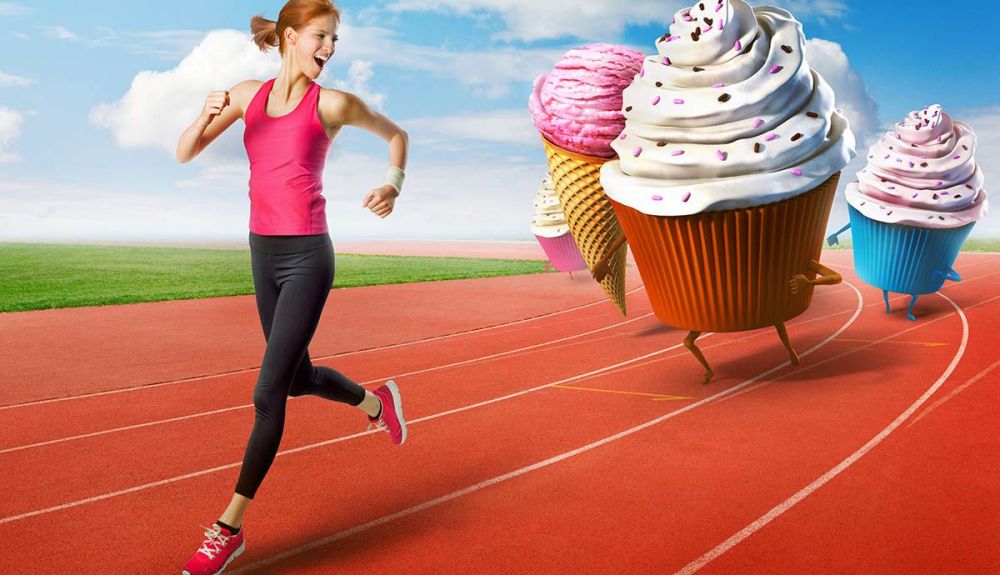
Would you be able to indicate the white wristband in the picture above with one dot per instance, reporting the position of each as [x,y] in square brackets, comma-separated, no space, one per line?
[394,177]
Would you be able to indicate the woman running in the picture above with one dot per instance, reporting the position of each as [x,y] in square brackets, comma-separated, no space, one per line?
[290,122]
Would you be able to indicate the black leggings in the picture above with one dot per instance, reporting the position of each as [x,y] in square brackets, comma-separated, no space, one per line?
[292,277]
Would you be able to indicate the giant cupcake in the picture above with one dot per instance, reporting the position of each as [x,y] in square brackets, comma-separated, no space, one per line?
[577,109]
[729,162]
[548,224]
[914,204]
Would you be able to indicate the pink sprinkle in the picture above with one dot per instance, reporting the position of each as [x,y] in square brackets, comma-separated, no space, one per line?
[722,24]
[775,69]
[912,164]
[656,100]
[706,29]
[886,157]
[796,172]
[915,195]
[719,85]
[940,182]
[666,60]
[657,198]
[940,139]
[737,46]
[719,7]
[892,187]
[668,39]
[758,123]
[956,157]
[642,72]
[721,155]
[678,101]
[636,153]
[677,153]
[622,137]
[770,137]
[686,197]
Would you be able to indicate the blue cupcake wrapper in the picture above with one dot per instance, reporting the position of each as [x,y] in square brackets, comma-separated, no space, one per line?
[905,259]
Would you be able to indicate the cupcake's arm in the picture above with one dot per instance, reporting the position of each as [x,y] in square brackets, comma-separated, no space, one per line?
[951,274]
[824,277]
[603,267]
[833,239]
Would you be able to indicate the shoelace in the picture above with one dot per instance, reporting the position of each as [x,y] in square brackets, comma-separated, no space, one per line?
[214,542]
[379,424]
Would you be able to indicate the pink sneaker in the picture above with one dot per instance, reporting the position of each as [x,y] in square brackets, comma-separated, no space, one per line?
[391,419]
[216,552]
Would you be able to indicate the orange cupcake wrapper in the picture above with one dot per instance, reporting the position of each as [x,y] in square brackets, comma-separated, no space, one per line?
[730,270]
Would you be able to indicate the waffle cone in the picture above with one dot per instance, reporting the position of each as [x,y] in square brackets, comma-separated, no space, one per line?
[591,218]
[729,270]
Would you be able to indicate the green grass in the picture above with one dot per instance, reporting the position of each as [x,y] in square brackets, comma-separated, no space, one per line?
[44,276]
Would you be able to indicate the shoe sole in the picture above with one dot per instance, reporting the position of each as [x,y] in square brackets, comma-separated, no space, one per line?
[397,403]
[236,553]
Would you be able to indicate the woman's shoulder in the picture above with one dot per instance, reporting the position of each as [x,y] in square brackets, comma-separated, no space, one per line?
[242,93]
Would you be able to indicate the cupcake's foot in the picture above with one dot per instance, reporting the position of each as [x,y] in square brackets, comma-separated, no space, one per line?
[783,334]
[689,343]
[885,296]
[909,310]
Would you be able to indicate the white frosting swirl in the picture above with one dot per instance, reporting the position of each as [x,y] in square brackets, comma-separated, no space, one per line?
[732,119]
[548,220]
[922,174]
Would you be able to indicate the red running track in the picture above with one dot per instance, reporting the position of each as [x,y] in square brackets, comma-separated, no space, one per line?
[547,436]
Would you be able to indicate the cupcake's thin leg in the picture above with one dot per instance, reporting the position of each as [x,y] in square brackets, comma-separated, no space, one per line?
[783,334]
[885,296]
[909,310]
[689,343]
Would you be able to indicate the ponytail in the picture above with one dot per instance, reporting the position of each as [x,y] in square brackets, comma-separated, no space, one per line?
[265,32]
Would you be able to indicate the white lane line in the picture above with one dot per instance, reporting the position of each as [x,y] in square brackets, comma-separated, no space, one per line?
[169,480]
[250,405]
[541,464]
[953,393]
[336,355]
[808,490]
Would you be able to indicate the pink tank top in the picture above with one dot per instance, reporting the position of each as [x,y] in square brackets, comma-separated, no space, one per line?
[287,155]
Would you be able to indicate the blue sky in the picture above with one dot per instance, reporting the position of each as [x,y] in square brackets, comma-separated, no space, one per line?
[94,95]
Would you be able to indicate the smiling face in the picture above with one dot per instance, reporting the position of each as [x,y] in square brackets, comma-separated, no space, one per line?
[312,47]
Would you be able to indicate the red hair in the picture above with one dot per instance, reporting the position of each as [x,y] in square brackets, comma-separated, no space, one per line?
[295,15]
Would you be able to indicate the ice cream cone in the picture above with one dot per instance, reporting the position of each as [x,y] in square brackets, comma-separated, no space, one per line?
[591,218]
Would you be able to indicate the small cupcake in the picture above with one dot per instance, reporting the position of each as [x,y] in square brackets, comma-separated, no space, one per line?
[914,204]
[577,110]
[552,232]
[729,164]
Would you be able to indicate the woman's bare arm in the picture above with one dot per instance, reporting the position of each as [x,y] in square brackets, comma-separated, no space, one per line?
[221,110]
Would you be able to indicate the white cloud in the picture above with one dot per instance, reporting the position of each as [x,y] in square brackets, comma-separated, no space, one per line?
[454,199]
[853,99]
[158,106]
[171,45]
[14,9]
[10,128]
[11,80]
[496,126]
[532,20]
[62,33]
[21,35]
[356,83]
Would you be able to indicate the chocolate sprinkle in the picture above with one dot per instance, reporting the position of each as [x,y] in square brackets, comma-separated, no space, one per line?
[664,37]
[812,114]
[698,69]
[700,7]
[724,98]
[796,136]
[660,144]
[923,164]
[659,84]
[787,49]
[757,147]
[628,109]
[935,197]
[708,20]
[695,36]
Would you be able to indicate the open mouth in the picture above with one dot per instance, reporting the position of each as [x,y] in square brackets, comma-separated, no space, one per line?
[319,62]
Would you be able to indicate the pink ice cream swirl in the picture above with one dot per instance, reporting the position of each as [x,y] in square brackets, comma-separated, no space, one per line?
[923,173]
[578,105]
